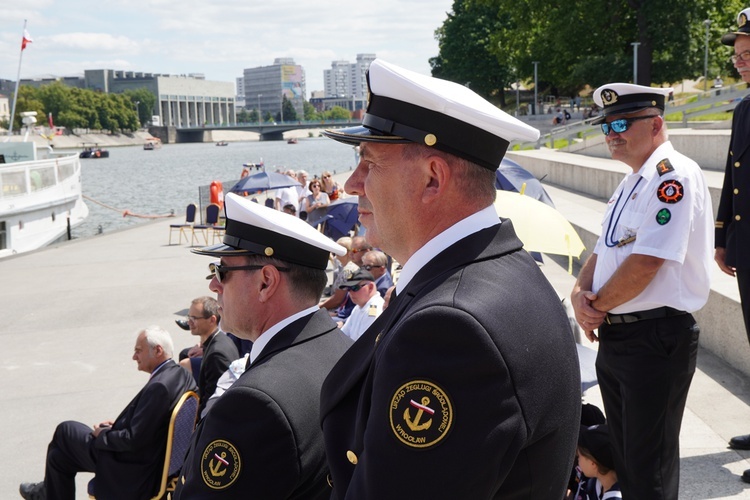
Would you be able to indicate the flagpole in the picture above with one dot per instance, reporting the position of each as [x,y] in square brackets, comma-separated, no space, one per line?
[18,84]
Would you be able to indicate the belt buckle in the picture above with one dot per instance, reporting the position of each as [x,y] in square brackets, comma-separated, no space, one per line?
[606,318]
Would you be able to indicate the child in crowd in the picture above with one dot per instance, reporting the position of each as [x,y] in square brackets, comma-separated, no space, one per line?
[596,464]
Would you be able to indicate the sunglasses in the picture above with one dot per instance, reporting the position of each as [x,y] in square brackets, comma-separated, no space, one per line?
[220,271]
[356,287]
[623,124]
[369,267]
[326,176]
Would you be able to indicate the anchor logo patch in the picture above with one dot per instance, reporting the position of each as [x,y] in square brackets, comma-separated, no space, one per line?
[421,414]
[220,464]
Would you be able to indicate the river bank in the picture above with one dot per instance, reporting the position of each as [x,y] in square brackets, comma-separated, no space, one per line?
[138,137]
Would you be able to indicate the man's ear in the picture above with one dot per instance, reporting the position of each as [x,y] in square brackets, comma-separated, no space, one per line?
[438,174]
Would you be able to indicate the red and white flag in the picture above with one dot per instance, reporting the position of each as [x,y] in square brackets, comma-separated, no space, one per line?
[26,39]
[49,119]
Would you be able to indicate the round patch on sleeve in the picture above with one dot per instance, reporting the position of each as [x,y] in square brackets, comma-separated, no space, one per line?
[663,216]
[220,464]
[670,191]
[421,414]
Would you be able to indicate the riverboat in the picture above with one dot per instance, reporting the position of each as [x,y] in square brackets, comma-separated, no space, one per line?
[93,151]
[152,143]
[40,195]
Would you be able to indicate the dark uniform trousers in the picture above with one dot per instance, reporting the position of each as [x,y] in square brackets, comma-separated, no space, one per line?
[733,216]
[70,451]
[644,371]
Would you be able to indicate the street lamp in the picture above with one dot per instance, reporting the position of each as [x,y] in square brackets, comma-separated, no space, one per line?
[138,110]
[259,96]
[536,100]
[635,61]
[707,24]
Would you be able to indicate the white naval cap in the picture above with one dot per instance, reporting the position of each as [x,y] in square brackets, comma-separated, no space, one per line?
[743,28]
[404,106]
[254,229]
[619,98]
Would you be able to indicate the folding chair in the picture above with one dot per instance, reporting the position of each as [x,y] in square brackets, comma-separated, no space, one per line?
[212,219]
[181,426]
[189,221]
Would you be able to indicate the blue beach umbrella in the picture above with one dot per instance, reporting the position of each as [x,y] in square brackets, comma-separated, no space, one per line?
[262,181]
[511,176]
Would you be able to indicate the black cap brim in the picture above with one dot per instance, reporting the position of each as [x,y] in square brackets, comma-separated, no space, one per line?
[354,135]
[221,250]
[730,38]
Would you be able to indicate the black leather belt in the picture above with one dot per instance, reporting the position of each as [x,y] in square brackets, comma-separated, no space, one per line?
[661,312]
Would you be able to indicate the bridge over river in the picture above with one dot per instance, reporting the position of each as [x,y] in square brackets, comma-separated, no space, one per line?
[268,131]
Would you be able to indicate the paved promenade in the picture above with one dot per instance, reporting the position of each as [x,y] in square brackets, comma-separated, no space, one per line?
[70,314]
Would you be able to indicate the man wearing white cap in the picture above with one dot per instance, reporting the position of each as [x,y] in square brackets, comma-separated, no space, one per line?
[467,386]
[648,272]
[261,439]
[732,232]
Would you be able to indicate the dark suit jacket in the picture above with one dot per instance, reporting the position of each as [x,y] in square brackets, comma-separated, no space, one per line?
[218,352]
[130,455]
[467,386]
[733,234]
[262,438]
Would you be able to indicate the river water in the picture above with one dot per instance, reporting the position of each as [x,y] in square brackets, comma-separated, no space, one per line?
[157,182]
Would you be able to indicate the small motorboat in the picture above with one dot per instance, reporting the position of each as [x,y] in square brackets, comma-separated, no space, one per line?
[222,143]
[152,143]
[93,151]
[292,140]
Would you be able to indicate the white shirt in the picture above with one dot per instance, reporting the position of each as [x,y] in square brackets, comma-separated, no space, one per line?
[487,217]
[288,195]
[266,336]
[679,230]
[362,317]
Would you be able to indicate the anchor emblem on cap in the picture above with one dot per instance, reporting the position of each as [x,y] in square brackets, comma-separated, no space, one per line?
[743,20]
[609,97]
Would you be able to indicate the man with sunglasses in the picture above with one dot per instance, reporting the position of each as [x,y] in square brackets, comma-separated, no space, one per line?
[732,235]
[218,349]
[261,439]
[376,262]
[368,303]
[649,271]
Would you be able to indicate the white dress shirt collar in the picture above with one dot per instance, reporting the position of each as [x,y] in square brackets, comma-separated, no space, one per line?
[266,336]
[487,217]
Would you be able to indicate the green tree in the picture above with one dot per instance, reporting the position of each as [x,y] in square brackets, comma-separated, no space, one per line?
[466,49]
[336,113]
[290,114]
[310,113]
[144,101]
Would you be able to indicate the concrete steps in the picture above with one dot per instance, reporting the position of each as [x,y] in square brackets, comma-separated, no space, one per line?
[580,187]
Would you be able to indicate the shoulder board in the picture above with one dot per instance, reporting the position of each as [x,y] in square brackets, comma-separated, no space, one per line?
[664,167]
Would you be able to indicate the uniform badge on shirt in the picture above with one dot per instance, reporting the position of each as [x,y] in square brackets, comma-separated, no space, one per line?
[373,310]
[663,216]
[670,191]
[220,464]
[421,414]
[664,167]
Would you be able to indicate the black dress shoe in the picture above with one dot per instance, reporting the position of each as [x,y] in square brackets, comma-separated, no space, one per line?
[740,442]
[36,491]
[182,324]
[746,476]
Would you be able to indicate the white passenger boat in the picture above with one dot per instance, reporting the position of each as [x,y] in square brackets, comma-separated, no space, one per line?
[40,195]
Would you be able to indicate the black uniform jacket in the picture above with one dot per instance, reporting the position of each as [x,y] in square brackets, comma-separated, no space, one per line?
[218,353]
[733,218]
[262,437]
[131,453]
[467,386]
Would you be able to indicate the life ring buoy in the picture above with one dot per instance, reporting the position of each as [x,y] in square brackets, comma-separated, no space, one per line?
[217,194]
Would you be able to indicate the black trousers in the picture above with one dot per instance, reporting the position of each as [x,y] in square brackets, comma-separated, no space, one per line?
[644,370]
[71,451]
[743,283]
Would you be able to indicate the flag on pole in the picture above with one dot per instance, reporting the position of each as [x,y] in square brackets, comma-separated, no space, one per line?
[51,124]
[26,39]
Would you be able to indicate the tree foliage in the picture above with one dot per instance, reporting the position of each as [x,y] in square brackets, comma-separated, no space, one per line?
[72,107]
[581,42]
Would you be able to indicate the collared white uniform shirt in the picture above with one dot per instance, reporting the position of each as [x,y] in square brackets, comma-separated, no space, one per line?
[671,217]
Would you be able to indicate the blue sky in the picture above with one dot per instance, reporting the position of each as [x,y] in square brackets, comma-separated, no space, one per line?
[218,39]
